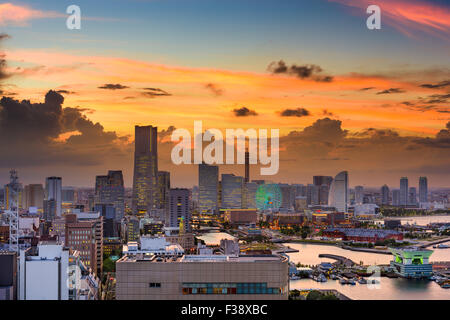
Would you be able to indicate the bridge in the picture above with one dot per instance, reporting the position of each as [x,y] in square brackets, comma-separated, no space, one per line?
[342,260]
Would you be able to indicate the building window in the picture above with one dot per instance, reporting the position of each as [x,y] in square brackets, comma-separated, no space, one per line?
[154,285]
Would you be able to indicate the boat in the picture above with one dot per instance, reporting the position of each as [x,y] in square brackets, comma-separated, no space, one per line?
[373,281]
[334,277]
[343,281]
[362,281]
[351,281]
[321,278]
[442,246]
[294,277]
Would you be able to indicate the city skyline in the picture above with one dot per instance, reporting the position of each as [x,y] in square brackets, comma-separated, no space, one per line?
[376,105]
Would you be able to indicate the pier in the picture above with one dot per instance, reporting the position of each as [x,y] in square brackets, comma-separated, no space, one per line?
[434,242]
[343,260]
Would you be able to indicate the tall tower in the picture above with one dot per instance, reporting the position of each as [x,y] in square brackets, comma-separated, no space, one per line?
[338,196]
[247,166]
[53,191]
[404,191]
[208,188]
[385,195]
[145,178]
[423,189]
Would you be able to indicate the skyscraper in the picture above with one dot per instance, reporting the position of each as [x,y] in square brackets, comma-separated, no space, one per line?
[53,191]
[423,189]
[110,189]
[163,190]
[338,196]
[232,191]
[359,194]
[385,195]
[208,183]
[412,196]
[323,182]
[145,169]
[179,212]
[312,194]
[33,196]
[404,191]
[396,197]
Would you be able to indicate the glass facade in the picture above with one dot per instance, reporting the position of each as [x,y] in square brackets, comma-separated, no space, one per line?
[229,288]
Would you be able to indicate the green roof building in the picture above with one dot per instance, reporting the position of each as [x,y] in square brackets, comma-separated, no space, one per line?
[412,262]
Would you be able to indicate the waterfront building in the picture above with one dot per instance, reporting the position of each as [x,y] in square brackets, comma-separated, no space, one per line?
[53,191]
[423,189]
[208,184]
[338,196]
[362,235]
[248,277]
[404,191]
[145,169]
[412,262]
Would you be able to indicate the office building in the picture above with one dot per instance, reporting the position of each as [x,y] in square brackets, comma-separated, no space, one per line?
[404,191]
[33,196]
[179,211]
[359,194]
[53,191]
[69,196]
[251,277]
[8,275]
[396,197]
[385,195]
[232,191]
[423,189]
[145,178]
[412,196]
[208,184]
[163,192]
[84,233]
[110,226]
[312,194]
[338,197]
[110,190]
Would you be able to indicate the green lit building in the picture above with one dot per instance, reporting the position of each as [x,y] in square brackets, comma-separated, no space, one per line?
[412,262]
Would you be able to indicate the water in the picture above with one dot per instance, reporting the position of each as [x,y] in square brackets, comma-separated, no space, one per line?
[390,289]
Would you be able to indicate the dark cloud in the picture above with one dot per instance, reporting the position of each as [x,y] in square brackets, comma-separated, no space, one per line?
[391,90]
[62,91]
[111,86]
[31,132]
[214,89]
[439,85]
[165,133]
[3,73]
[155,92]
[327,113]
[244,112]
[303,72]
[366,89]
[299,112]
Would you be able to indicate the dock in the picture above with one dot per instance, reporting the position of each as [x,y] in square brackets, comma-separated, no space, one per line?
[343,260]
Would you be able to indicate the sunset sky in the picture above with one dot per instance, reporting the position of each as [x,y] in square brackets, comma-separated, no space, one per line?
[373,102]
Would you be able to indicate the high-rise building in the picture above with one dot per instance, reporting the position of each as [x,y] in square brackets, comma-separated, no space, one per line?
[324,183]
[179,212]
[145,178]
[320,180]
[385,195]
[412,196]
[208,184]
[163,190]
[404,191]
[232,191]
[359,194]
[110,189]
[250,195]
[53,191]
[396,197]
[84,233]
[423,189]
[69,195]
[338,197]
[33,196]
[110,225]
[312,194]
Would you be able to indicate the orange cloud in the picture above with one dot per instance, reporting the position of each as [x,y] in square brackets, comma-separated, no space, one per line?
[409,16]
[20,15]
